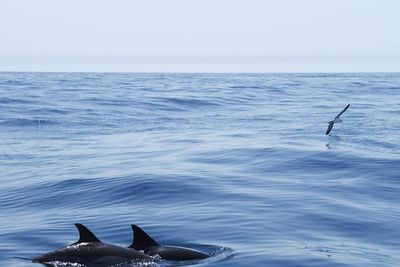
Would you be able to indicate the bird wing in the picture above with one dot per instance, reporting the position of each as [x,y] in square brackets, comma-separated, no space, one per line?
[330,126]
[341,112]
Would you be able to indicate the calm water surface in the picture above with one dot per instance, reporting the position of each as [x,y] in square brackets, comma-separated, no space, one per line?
[237,165]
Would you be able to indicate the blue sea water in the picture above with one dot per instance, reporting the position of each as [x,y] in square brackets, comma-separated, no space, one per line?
[237,165]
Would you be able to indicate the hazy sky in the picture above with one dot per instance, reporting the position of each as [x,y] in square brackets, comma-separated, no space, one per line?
[200,35]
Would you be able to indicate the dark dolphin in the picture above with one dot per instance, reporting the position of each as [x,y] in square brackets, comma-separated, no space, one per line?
[89,250]
[143,242]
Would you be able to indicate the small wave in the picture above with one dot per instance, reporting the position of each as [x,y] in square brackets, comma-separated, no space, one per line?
[50,111]
[246,87]
[188,102]
[13,101]
[222,253]
[84,193]
[28,122]
[14,82]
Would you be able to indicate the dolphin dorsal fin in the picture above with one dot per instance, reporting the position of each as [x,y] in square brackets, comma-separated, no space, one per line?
[141,240]
[85,235]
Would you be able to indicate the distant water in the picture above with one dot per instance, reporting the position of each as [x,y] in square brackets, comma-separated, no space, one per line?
[237,165]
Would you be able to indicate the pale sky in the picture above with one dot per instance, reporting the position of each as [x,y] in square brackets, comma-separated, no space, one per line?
[200,35]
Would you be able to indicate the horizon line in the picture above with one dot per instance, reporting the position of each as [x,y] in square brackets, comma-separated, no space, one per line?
[206,72]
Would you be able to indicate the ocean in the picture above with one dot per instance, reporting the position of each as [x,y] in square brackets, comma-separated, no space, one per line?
[235,165]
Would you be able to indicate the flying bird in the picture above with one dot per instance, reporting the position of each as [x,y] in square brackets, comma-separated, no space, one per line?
[336,119]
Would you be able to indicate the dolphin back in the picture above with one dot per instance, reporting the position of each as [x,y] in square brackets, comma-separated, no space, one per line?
[175,253]
[143,242]
[89,250]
